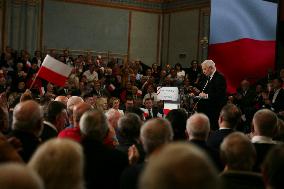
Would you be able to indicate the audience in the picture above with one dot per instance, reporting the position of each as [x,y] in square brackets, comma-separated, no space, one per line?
[131,87]
[239,155]
[27,126]
[55,120]
[18,176]
[230,117]
[264,128]
[103,165]
[179,166]
[60,163]
[273,168]
[154,134]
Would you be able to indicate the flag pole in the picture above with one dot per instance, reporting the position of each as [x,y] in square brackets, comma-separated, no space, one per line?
[34,79]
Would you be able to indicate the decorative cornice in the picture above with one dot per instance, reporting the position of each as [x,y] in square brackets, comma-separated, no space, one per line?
[25,2]
[155,6]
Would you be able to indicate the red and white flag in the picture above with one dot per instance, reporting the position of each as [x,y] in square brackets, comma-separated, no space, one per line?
[242,39]
[54,71]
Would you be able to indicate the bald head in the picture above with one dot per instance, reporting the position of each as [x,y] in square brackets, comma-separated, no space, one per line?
[179,165]
[155,133]
[27,116]
[18,176]
[78,110]
[264,123]
[198,126]
[238,152]
[62,99]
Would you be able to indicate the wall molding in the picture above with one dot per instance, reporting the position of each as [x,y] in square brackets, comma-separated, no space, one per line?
[152,6]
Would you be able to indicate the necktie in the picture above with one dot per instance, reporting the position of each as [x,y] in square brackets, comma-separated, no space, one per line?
[149,112]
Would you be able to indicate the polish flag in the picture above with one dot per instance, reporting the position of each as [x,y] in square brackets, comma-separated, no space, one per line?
[54,71]
[242,39]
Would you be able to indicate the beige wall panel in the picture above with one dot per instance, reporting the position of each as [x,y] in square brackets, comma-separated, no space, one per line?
[143,37]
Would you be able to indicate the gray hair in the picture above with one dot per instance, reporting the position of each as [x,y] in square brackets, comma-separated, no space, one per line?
[208,63]
[129,126]
[198,125]
[155,133]
[94,124]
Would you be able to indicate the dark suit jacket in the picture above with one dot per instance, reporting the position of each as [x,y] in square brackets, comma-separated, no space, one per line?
[48,133]
[29,143]
[216,90]
[216,138]
[262,150]
[130,176]
[278,105]
[241,180]
[103,165]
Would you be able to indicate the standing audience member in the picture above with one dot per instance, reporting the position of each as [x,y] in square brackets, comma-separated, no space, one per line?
[229,118]
[264,127]
[179,166]
[103,165]
[128,128]
[197,129]
[238,154]
[55,120]
[154,134]
[273,168]
[60,163]
[74,133]
[177,118]
[18,176]
[27,126]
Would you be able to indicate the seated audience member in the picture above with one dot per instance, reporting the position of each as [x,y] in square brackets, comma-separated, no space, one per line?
[27,127]
[264,127]
[177,118]
[101,104]
[149,110]
[197,129]
[273,168]
[238,155]
[60,163]
[178,166]
[154,134]
[103,165]
[55,120]
[18,176]
[128,128]
[114,105]
[151,94]
[72,101]
[229,118]
[74,133]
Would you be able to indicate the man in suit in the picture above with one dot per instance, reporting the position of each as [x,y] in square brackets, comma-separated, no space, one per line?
[277,101]
[27,126]
[103,165]
[55,120]
[264,126]
[230,117]
[213,94]
[149,110]
[238,154]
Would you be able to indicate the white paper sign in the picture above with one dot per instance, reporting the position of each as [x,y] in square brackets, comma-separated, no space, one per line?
[167,93]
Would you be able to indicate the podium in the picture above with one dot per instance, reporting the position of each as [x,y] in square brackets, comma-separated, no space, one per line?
[170,96]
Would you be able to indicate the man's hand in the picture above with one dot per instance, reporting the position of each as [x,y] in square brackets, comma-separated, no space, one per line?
[133,155]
